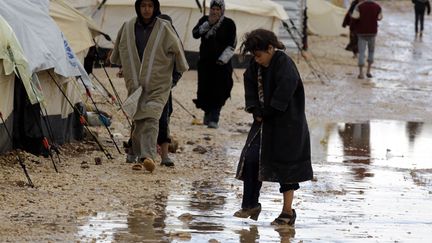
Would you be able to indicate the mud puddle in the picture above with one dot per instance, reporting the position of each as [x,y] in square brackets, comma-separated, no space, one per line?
[372,182]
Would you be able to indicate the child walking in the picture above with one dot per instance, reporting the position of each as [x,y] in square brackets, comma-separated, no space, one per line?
[277,148]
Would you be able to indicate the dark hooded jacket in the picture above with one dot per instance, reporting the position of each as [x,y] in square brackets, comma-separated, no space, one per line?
[421,6]
[156,11]
[285,144]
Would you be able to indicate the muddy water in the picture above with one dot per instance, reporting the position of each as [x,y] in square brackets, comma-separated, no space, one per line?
[373,181]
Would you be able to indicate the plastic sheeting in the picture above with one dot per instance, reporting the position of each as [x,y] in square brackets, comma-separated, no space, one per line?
[13,61]
[325,19]
[44,45]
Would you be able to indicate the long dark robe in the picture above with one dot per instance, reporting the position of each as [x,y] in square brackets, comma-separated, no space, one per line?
[285,143]
[214,81]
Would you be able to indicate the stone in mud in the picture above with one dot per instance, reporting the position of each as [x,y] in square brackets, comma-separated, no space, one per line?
[185,217]
[98,161]
[84,165]
[200,149]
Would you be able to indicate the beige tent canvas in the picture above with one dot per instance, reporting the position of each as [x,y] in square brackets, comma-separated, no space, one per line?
[325,18]
[247,14]
[44,51]
[78,29]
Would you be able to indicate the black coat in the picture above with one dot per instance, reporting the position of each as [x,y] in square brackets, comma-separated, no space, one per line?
[285,148]
[214,81]
[421,5]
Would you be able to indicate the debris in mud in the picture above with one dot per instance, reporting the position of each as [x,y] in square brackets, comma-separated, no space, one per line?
[185,217]
[98,161]
[182,235]
[190,143]
[200,149]
[84,165]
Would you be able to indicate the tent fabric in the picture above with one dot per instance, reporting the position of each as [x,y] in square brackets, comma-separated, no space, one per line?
[13,60]
[325,19]
[78,28]
[6,92]
[44,45]
[61,106]
[31,40]
[255,7]
[247,14]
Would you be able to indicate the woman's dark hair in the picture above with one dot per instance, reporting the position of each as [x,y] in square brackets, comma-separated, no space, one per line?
[259,40]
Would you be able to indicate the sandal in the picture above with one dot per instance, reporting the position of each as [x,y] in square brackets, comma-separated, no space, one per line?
[285,219]
[149,165]
[137,167]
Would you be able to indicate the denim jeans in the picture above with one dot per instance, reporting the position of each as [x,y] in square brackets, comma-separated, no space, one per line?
[363,41]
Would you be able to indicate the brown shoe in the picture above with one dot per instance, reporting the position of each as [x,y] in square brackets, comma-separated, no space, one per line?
[251,213]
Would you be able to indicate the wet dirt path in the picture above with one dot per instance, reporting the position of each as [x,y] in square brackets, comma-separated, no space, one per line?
[371,143]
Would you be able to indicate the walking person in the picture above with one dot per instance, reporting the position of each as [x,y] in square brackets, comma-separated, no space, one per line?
[164,137]
[367,13]
[420,7]
[146,49]
[348,21]
[218,41]
[277,148]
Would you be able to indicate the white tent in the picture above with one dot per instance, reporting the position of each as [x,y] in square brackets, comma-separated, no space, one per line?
[44,45]
[325,18]
[247,14]
[78,29]
[47,52]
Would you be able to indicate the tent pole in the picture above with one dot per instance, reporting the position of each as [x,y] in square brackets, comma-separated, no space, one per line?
[82,119]
[314,71]
[20,160]
[112,86]
[45,142]
[204,7]
[99,113]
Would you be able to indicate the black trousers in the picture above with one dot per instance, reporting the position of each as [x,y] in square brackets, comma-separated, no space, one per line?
[251,184]
[164,134]
[419,17]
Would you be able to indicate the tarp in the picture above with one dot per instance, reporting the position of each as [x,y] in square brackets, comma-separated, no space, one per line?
[325,19]
[44,45]
[78,28]
[13,61]
[20,121]
[247,14]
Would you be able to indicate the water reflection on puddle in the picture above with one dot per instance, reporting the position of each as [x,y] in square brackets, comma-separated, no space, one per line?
[372,183]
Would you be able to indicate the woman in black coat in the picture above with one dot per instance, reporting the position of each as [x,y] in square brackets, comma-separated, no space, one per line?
[420,7]
[218,41]
[278,145]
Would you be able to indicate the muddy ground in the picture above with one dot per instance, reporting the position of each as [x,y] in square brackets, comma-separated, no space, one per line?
[367,186]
